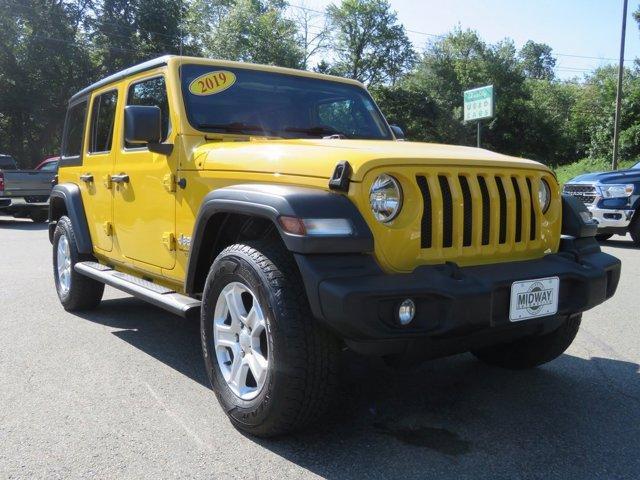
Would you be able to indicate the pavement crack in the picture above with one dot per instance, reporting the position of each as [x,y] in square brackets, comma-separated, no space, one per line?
[176,418]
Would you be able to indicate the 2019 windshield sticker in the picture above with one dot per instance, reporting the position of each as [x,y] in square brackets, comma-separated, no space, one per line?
[212,82]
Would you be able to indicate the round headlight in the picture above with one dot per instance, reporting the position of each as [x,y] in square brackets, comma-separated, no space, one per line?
[544,195]
[385,198]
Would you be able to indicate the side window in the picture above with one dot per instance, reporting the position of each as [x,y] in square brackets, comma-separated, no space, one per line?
[103,113]
[49,167]
[73,130]
[152,92]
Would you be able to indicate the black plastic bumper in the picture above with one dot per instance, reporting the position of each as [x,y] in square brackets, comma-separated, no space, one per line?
[355,299]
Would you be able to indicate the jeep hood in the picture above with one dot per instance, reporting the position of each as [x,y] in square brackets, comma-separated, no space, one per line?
[318,158]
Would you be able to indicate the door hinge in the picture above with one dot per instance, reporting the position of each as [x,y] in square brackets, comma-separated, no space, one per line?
[106,180]
[169,241]
[108,228]
[169,182]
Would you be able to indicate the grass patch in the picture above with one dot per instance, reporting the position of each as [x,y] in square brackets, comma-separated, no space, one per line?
[587,165]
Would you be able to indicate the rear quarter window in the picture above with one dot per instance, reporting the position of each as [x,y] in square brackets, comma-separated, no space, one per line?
[74,131]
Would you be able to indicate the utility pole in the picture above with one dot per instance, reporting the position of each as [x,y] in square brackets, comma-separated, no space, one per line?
[478,139]
[616,124]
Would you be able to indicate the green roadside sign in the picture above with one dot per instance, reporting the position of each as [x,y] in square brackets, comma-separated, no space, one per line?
[478,103]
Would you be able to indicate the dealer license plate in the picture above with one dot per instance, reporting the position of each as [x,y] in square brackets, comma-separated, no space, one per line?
[534,298]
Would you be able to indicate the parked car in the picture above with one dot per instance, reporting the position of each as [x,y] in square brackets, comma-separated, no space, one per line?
[25,193]
[612,198]
[49,164]
[278,206]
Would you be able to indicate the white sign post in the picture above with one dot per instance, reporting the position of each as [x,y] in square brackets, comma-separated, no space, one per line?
[478,104]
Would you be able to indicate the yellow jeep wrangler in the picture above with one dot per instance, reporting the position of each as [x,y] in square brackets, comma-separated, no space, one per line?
[281,208]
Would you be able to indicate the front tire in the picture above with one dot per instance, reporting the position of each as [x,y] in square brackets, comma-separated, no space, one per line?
[76,292]
[531,352]
[634,230]
[271,365]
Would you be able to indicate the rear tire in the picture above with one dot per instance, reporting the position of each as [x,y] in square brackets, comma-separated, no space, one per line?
[299,380]
[76,292]
[532,351]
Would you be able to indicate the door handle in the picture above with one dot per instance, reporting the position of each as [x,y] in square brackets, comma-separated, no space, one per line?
[121,178]
[86,177]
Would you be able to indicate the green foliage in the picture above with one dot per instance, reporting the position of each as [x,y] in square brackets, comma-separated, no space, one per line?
[39,70]
[256,31]
[462,61]
[408,108]
[126,32]
[537,60]
[369,43]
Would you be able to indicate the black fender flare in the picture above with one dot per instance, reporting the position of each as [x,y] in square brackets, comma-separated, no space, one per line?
[273,201]
[69,194]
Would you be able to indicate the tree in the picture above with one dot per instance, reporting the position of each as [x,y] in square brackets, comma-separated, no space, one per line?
[115,36]
[537,60]
[428,101]
[313,33]
[256,31]
[370,44]
[44,59]
[126,32]
[201,19]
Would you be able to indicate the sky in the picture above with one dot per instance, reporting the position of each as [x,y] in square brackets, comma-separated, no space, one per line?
[573,28]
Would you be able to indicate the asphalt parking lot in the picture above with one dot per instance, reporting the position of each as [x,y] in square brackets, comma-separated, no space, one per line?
[121,392]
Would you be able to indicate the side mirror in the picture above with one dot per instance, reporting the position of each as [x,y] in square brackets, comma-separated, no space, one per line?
[142,124]
[397,131]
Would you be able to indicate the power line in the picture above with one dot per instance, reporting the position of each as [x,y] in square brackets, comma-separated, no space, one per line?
[434,35]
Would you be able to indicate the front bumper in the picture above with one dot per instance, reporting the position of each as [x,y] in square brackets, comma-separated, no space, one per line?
[460,308]
[610,218]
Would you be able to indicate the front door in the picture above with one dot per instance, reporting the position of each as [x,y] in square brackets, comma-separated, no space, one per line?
[97,167]
[144,187]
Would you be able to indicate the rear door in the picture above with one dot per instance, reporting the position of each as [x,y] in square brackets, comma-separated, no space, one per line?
[97,166]
[144,202]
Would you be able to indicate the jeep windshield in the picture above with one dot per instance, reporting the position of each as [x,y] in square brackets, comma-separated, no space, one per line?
[253,102]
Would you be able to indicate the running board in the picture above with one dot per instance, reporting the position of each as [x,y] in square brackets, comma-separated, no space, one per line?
[143,289]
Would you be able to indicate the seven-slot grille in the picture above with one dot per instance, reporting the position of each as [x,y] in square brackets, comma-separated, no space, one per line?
[484,209]
[585,193]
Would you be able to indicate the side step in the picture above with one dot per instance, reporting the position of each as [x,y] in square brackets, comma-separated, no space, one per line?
[143,289]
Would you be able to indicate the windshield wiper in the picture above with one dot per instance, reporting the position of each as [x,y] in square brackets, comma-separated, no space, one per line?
[234,127]
[317,131]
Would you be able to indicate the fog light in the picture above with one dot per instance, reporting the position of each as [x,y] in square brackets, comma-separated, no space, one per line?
[406,311]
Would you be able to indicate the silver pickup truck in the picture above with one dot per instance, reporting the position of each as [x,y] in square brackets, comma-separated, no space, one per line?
[25,193]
